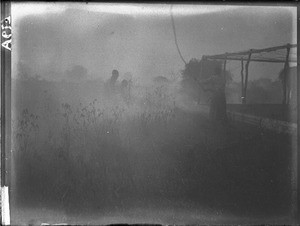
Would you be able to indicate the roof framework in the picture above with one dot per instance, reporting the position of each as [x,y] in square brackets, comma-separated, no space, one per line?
[275,54]
[279,54]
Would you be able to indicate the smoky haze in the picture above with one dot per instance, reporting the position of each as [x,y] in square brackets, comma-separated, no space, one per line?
[51,43]
[104,130]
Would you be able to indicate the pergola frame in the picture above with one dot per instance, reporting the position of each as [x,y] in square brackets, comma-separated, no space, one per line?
[248,56]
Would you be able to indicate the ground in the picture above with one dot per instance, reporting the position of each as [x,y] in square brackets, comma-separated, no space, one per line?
[185,170]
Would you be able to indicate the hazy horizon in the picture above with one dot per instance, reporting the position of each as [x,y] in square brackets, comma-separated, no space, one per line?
[51,38]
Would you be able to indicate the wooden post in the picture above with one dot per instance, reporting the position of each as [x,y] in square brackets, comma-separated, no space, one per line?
[225,102]
[224,68]
[246,76]
[284,79]
[242,78]
[201,66]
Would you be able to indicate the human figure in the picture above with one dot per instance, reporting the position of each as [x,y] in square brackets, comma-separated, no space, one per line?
[218,99]
[125,90]
[124,86]
[216,84]
[113,80]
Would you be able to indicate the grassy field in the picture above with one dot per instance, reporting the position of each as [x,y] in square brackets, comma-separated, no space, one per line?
[105,158]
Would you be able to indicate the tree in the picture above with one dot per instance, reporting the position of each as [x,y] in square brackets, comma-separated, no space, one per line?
[203,81]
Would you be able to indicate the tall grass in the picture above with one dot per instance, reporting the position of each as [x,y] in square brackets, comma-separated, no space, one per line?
[106,154]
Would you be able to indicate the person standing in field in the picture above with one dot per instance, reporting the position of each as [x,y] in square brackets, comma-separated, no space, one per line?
[110,88]
[215,84]
[113,80]
[125,90]
[218,98]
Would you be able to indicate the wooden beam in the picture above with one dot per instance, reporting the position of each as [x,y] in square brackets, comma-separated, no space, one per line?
[247,52]
[252,59]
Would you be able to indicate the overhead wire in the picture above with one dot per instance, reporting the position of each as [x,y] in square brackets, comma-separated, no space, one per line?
[199,82]
[175,36]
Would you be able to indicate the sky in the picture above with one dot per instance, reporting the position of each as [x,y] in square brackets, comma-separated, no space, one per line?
[50,39]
